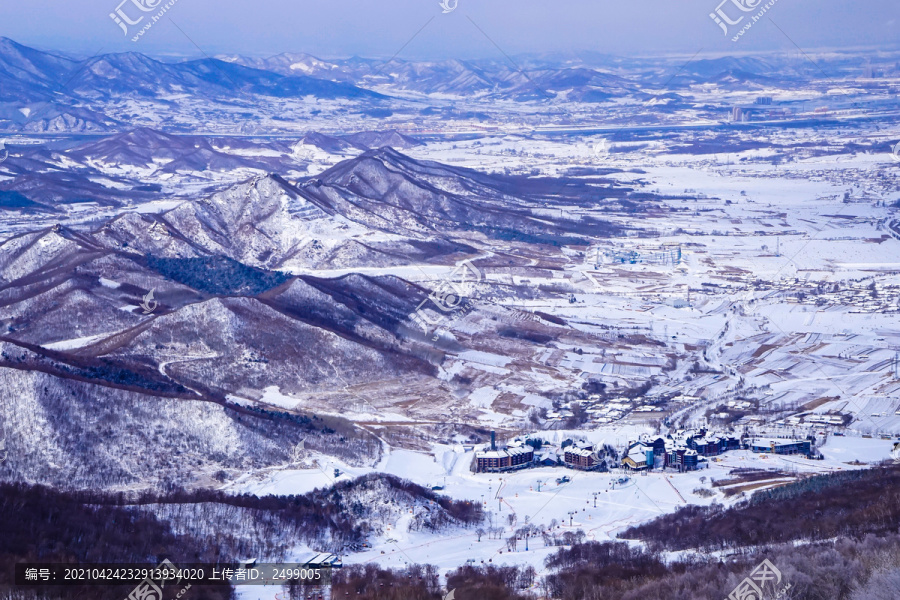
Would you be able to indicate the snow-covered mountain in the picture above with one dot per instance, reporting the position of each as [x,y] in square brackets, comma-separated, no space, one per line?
[387,190]
[454,77]
[360,141]
[29,74]
[116,330]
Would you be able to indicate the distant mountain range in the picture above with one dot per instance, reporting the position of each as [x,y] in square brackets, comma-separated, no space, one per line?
[30,75]
[40,91]
[34,76]
[456,77]
[47,92]
[587,79]
[376,186]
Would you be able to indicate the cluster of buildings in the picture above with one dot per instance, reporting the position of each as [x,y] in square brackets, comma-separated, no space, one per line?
[688,450]
[867,296]
[667,254]
[607,412]
[761,108]
[870,72]
[684,451]
[520,455]
[601,411]
[795,420]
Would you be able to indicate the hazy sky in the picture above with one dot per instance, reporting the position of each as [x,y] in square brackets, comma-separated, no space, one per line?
[371,28]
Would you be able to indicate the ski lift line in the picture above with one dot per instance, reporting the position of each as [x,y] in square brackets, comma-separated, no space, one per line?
[346,385]
[499,488]
[669,481]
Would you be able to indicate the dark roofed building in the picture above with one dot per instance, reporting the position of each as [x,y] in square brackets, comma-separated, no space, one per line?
[508,459]
[580,458]
[778,446]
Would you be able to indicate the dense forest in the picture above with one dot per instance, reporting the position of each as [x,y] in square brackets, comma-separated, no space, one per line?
[44,525]
[217,275]
[421,582]
[837,505]
[838,570]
